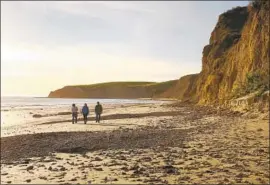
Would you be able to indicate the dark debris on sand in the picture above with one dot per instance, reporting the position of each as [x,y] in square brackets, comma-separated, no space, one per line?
[16,148]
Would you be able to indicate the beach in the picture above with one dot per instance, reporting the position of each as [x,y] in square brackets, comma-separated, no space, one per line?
[140,143]
[184,90]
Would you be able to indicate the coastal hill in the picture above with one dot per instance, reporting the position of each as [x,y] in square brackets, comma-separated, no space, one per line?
[234,63]
[128,90]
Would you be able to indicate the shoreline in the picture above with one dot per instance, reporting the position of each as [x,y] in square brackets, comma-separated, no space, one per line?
[29,120]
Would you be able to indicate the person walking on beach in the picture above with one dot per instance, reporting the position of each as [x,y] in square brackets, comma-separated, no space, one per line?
[74,111]
[85,112]
[98,111]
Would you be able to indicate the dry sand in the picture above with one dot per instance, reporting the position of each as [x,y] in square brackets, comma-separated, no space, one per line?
[191,145]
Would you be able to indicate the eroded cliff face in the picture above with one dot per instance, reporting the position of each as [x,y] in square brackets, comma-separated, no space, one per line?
[238,51]
[239,45]
[183,90]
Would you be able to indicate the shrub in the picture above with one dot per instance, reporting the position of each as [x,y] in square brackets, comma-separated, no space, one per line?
[255,81]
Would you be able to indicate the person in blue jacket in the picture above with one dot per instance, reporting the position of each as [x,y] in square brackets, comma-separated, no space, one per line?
[85,112]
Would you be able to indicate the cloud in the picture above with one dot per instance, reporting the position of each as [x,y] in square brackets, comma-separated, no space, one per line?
[153,29]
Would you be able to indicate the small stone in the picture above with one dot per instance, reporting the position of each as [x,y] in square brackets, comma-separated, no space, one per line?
[4,173]
[28,180]
[135,167]
[184,178]
[147,159]
[63,168]
[30,168]
[55,169]
[240,175]
[61,174]
[124,168]
[26,161]
[142,169]
[165,182]
[37,116]
[50,168]
[137,172]
[43,177]
[170,169]
[160,155]
[98,169]
[73,179]
[123,158]
[97,159]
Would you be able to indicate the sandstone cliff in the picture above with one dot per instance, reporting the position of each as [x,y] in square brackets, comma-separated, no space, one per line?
[113,90]
[236,60]
[184,89]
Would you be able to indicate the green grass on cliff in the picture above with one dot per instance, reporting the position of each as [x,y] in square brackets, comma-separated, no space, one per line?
[256,81]
[127,83]
[124,83]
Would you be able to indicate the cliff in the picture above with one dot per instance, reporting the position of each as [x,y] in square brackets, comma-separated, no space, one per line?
[128,90]
[235,63]
[184,89]
[236,60]
[238,50]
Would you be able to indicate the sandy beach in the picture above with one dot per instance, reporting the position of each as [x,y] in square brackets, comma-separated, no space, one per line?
[138,144]
[183,88]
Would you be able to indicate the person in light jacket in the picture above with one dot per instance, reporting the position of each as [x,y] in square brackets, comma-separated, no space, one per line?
[74,111]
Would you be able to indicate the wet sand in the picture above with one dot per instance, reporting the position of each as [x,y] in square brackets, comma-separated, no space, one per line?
[114,117]
[195,145]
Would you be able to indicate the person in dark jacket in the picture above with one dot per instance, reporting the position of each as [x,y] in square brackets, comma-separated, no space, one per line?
[98,111]
[85,112]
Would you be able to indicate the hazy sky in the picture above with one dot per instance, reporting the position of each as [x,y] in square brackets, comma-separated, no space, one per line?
[47,45]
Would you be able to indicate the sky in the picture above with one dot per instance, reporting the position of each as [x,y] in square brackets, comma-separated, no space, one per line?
[48,45]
